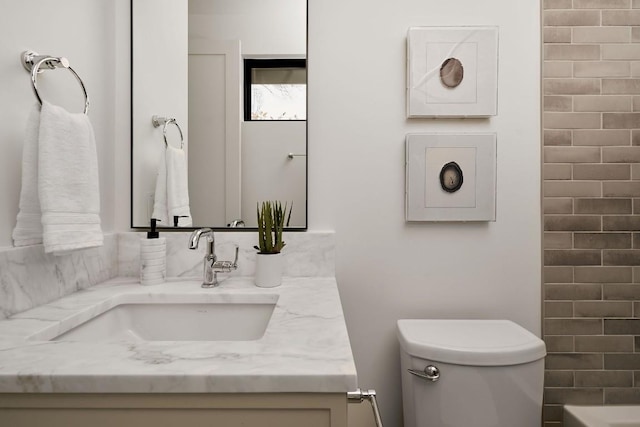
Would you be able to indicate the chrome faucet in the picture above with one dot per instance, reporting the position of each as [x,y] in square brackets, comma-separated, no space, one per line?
[211,264]
[209,278]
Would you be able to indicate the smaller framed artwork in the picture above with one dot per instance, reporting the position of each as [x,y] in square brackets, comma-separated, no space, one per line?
[452,71]
[451,177]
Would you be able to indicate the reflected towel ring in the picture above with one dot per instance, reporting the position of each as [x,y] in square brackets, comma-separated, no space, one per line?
[164,121]
[33,62]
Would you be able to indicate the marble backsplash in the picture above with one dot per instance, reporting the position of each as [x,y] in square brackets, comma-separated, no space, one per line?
[29,277]
[308,254]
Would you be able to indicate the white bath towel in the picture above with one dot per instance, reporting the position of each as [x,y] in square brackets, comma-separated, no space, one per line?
[172,189]
[67,181]
[28,230]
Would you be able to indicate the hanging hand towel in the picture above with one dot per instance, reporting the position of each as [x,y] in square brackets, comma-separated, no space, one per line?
[68,185]
[28,229]
[172,189]
[178,186]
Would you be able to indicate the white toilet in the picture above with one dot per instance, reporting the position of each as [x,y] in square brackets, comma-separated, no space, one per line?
[470,373]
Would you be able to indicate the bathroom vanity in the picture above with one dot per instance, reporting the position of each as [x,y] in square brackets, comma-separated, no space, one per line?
[175,354]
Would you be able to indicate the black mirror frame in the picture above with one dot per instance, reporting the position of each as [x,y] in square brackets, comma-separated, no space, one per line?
[215,228]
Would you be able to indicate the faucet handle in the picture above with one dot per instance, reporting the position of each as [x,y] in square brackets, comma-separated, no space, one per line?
[226,266]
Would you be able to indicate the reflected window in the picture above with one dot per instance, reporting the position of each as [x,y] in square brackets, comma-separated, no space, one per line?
[275,89]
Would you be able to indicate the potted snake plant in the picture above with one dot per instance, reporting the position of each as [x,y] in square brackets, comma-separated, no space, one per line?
[272,218]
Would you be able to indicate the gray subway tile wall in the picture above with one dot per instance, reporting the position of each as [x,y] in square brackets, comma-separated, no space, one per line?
[591,203]
[599,4]
[622,396]
[603,343]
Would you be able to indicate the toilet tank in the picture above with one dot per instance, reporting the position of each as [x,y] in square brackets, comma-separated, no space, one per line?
[490,373]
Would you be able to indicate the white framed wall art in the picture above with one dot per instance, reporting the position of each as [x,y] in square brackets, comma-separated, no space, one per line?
[452,71]
[451,177]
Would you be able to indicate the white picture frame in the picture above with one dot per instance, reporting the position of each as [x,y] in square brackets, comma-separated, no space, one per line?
[426,156]
[467,86]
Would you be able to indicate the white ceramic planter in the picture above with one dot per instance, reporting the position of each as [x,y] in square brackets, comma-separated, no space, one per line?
[268,270]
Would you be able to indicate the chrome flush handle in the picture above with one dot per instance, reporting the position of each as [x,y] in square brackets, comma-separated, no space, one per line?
[430,373]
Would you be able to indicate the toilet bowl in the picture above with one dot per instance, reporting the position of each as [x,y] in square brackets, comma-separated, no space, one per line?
[470,373]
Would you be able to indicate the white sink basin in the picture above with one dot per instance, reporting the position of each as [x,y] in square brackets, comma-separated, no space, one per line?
[173,319]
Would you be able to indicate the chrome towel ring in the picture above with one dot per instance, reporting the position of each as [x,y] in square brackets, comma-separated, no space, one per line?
[34,63]
[158,121]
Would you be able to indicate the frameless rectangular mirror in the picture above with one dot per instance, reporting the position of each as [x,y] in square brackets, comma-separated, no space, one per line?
[232,76]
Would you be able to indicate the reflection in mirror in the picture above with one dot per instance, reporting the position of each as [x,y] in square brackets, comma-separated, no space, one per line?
[275,89]
[232,73]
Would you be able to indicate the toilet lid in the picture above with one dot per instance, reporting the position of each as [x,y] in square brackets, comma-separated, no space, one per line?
[470,342]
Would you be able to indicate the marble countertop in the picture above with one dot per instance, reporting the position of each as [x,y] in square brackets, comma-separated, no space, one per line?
[305,347]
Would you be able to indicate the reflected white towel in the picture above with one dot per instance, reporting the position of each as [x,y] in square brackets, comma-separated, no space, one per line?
[172,189]
[28,230]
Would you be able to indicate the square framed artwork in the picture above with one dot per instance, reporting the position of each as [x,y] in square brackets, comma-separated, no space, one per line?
[451,177]
[452,71]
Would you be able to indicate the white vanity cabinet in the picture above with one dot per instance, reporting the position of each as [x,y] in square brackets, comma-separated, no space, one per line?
[296,372]
[174,410]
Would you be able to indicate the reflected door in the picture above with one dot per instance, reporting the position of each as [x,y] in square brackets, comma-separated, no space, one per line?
[214,126]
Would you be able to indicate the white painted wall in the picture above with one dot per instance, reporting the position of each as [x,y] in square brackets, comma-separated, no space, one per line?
[264,26]
[387,269]
[84,32]
[161,80]
[268,173]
